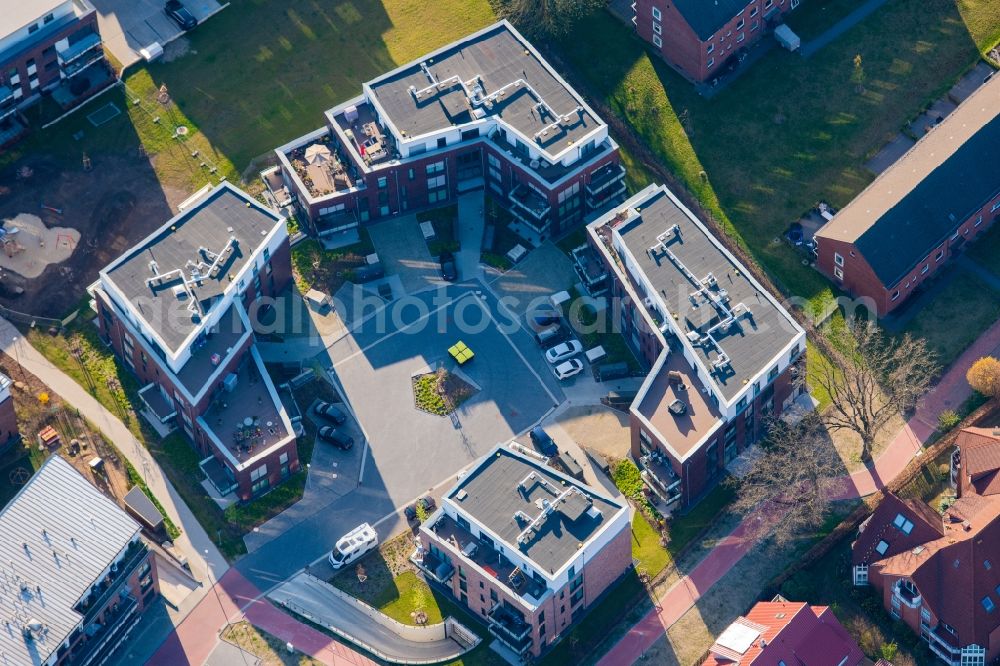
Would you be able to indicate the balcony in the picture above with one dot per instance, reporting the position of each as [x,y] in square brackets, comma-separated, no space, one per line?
[433,564]
[6,94]
[510,629]
[80,49]
[606,181]
[907,594]
[103,592]
[944,644]
[529,200]
[590,269]
[104,639]
[956,467]
[70,70]
[660,477]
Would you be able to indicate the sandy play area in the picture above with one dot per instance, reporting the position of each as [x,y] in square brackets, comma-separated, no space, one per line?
[28,246]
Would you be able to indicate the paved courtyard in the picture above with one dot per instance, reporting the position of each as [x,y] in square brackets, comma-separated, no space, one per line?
[403,252]
[130,25]
[545,271]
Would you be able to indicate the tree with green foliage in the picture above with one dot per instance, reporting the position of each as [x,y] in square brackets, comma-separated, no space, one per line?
[547,18]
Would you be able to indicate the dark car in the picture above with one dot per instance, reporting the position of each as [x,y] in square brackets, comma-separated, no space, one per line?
[449,271]
[426,503]
[544,315]
[330,435]
[330,412]
[180,15]
[541,441]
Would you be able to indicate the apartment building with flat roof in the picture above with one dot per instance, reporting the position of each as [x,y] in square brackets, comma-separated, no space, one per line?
[486,112]
[47,46]
[724,354]
[178,307]
[525,548]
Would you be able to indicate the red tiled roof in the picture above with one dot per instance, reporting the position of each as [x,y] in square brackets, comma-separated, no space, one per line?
[979,450]
[794,632]
[927,526]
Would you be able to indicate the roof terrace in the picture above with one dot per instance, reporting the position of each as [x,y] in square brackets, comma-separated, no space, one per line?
[365,134]
[321,168]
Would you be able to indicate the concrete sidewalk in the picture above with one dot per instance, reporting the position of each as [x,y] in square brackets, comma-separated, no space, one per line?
[194,542]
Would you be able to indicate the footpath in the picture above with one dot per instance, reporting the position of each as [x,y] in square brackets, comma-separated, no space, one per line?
[950,392]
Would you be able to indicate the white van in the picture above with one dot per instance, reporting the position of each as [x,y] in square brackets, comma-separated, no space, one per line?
[353,545]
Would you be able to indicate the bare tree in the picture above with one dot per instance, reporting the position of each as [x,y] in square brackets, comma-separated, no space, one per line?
[796,472]
[547,18]
[877,378]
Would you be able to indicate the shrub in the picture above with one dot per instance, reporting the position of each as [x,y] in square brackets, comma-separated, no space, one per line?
[948,419]
[984,376]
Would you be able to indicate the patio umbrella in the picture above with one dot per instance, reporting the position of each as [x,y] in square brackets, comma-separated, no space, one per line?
[318,154]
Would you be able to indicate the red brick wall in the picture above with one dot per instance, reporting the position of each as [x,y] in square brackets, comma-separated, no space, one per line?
[38,52]
[687,52]
[8,421]
[860,279]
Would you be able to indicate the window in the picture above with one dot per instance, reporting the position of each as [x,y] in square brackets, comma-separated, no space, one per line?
[754,11]
[436,181]
[711,47]
[979,221]
[754,25]
[739,26]
[903,524]
[996,207]
[882,547]
[838,259]
[32,28]
[657,41]
[939,256]
[925,614]
[742,36]
[443,142]
[769,4]
[987,565]
[895,295]
[657,14]
[838,273]
[657,28]
[435,167]
[988,604]
[711,61]
[772,373]
[383,182]
[925,269]
[861,574]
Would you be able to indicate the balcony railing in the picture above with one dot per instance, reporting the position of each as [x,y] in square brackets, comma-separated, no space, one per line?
[906,595]
[72,69]
[135,555]
[533,203]
[434,565]
[79,49]
[6,94]
[606,178]
[109,636]
[509,629]
[944,644]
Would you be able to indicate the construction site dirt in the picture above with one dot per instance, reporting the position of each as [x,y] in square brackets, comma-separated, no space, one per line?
[91,218]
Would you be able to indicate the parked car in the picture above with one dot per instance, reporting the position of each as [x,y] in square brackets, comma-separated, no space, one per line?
[330,435]
[180,15]
[353,545]
[550,335]
[569,368]
[427,504]
[563,351]
[449,271]
[607,371]
[544,314]
[543,442]
[331,412]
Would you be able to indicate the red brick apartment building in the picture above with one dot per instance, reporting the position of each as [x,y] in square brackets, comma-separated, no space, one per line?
[785,632]
[177,310]
[525,548]
[47,47]
[922,211]
[487,112]
[699,37]
[77,573]
[725,355]
[940,573]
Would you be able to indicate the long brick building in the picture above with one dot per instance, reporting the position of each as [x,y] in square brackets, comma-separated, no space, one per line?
[524,547]
[725,355]
[939,573]
[921,212]
[486,112]
[47,46]
[699,37]
[177,310]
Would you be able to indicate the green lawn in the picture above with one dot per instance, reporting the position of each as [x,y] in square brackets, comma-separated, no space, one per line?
[956,316]
[813,18]
[789,132]
[683,529]
[986,250]
[646,549]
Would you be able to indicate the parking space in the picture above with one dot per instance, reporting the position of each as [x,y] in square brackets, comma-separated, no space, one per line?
[411,450]
[130,25]
[544,271]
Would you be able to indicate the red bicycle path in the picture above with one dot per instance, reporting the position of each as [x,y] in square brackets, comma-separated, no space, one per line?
[949,392]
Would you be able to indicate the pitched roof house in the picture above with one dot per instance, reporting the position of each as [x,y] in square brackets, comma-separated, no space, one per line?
[940,573]
[785,632]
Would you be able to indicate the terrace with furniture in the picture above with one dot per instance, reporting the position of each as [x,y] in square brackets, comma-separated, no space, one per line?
[364,133]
